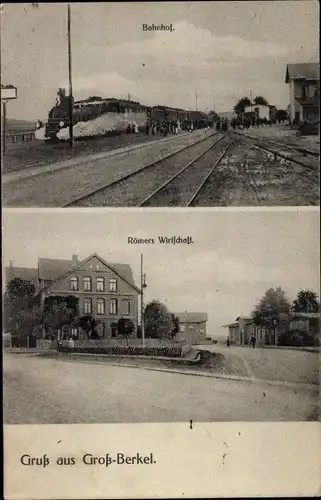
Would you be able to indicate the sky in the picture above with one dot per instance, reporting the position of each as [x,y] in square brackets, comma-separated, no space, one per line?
[236,256]
[221,50]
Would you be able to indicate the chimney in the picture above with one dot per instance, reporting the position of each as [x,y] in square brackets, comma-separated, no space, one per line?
[74,260]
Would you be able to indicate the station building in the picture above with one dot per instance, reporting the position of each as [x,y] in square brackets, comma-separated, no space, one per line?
[304,92]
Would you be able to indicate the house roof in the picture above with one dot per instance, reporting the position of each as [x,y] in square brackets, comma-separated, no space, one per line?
[56,269]
[187,317]
[52,269]
[51,266]
[247,321]
[302,71]
[230,325]
[25,273]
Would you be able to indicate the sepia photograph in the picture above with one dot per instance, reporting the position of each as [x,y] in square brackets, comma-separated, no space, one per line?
[160,104]
[145,317]
[161,249]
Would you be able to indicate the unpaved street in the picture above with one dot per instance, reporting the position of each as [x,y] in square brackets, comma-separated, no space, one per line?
[39,391]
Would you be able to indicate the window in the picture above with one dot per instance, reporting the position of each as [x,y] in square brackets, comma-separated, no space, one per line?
[74,333]
[126,306]
[100,306]
[74,283]
[100,285]
[182,328]
[113,285]
[87,284]
[87,306]
[305,92]
[114,329]
[113,306]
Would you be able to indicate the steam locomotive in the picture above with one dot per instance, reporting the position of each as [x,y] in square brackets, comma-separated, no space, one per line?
[94,107]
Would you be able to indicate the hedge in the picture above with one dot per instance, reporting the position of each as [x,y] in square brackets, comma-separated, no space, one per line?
[171,352]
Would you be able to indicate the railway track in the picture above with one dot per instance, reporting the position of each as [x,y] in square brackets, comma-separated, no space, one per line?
[180,190]
[283,151]
[156,184]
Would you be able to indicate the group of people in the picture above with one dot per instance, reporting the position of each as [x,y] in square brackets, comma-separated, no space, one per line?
[157,127]
[222,124]
[163,128]
[132,128]
[248,122]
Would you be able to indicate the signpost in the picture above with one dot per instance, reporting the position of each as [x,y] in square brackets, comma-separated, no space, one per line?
[7,92]
[71,104]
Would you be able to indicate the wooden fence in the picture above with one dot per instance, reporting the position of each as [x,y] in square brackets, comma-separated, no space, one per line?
[21,137]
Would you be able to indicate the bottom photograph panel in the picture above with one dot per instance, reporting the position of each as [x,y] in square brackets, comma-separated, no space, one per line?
[143,317]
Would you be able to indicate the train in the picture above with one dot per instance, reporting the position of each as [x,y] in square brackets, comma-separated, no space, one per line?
[112,114]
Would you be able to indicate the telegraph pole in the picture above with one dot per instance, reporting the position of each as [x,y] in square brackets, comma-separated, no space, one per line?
[71,137]
[142,286]
[196,99]
[4,127]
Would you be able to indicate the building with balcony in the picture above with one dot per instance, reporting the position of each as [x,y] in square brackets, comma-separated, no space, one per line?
[105,291]
[304,92]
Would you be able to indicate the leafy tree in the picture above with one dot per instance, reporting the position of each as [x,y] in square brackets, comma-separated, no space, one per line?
[20,292]
[58,315]
[241,105]
[158,321]
[88,324]
[70,301]
[125,328]
[281,115]
[260,101]
[273,309]
[175,321]
[23,322]
[306,302]
[18,303]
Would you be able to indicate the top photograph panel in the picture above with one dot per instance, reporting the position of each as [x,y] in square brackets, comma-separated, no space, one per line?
[182,104]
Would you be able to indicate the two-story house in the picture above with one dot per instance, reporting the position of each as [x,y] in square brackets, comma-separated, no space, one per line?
[105,291]
[304,91]
[192,327]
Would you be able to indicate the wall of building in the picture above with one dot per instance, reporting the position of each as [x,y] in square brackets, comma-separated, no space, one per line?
[124,292]
[295,89]
[260,110]
[192,333]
